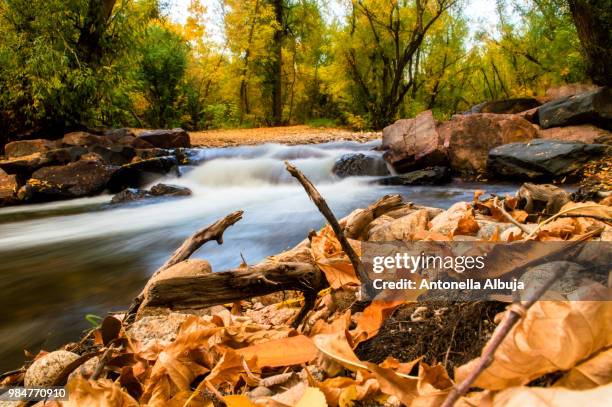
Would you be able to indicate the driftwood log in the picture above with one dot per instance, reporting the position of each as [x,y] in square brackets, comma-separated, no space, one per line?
[194,242]
[234,285]
[201,291]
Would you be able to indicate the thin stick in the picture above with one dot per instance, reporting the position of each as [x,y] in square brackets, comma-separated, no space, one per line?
[318,200]
[508,216]
[514,314]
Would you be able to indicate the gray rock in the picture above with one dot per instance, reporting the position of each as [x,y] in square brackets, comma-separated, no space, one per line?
[159,190]
[593,107]
[136,174]
[360,165]
[541,159]
[427,176]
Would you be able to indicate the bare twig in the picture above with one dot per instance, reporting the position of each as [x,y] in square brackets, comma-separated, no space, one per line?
[509,217]
[333,222]
[106,356]
[211,232]
[516,311]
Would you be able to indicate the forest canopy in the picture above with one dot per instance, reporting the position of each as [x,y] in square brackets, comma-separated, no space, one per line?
[66,64]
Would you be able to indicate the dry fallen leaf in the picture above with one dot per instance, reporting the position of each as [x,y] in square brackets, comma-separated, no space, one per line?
[555,396]
[331,259]
[597,371]
[554,335]
[293,350]
[100,393]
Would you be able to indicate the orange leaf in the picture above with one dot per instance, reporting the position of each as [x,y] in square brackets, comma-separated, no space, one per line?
[293,350]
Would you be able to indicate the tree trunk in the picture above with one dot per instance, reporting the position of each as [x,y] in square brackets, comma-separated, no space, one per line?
[277,65]
[593,20]
[96,22]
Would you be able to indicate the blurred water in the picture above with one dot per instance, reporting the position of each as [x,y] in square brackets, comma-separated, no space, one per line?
[63,260]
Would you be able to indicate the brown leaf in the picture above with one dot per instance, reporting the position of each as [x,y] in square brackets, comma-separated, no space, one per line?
[182,361]
[230,368]
[101,393]
[555,396]
[554,335]
[342,390]
[372,318]
[597,371]
[519,215]
[331,259]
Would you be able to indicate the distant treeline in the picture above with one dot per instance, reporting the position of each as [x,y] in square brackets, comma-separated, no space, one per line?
[71,63]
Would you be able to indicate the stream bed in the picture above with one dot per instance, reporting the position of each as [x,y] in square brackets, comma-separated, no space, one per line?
[61,261]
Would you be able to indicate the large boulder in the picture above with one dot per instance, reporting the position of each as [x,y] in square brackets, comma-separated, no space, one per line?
[174,138]
[412,144]
[507,106]
[138,173]
[542,159]
[470,137]
[23,148]
[116,154]
[427,176]
[586,133]
[81,178]
[593,107]
[8,188]
[26,165]
[83,139]
[359,165]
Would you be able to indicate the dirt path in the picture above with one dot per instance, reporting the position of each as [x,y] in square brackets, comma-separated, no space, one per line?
[283,135]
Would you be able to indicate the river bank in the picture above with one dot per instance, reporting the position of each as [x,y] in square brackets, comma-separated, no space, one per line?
[289,135]
[252,350]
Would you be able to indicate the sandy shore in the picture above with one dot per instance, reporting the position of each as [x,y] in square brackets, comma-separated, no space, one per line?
[283,135]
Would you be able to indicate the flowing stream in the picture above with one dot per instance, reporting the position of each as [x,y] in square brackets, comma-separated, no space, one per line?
[61,261]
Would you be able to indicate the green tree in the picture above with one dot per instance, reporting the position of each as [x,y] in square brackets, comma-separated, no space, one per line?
[162,69]
[66,63]
[380,48]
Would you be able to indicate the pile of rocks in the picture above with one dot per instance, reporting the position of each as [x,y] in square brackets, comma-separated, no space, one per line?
[83,164]
[547,142]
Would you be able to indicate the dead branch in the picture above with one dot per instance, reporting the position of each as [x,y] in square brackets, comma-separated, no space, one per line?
[516,311]
[203,291]
[212,232]
[508,216]
[358,221]
[318,200]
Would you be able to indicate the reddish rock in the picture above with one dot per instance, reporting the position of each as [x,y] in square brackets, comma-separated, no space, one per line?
[81,138]
[22,148]
[586,133]
[470,137]
[8,188]
[530,115]
[413,144]
[175,138]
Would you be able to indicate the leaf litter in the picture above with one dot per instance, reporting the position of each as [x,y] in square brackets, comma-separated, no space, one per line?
[350,353]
